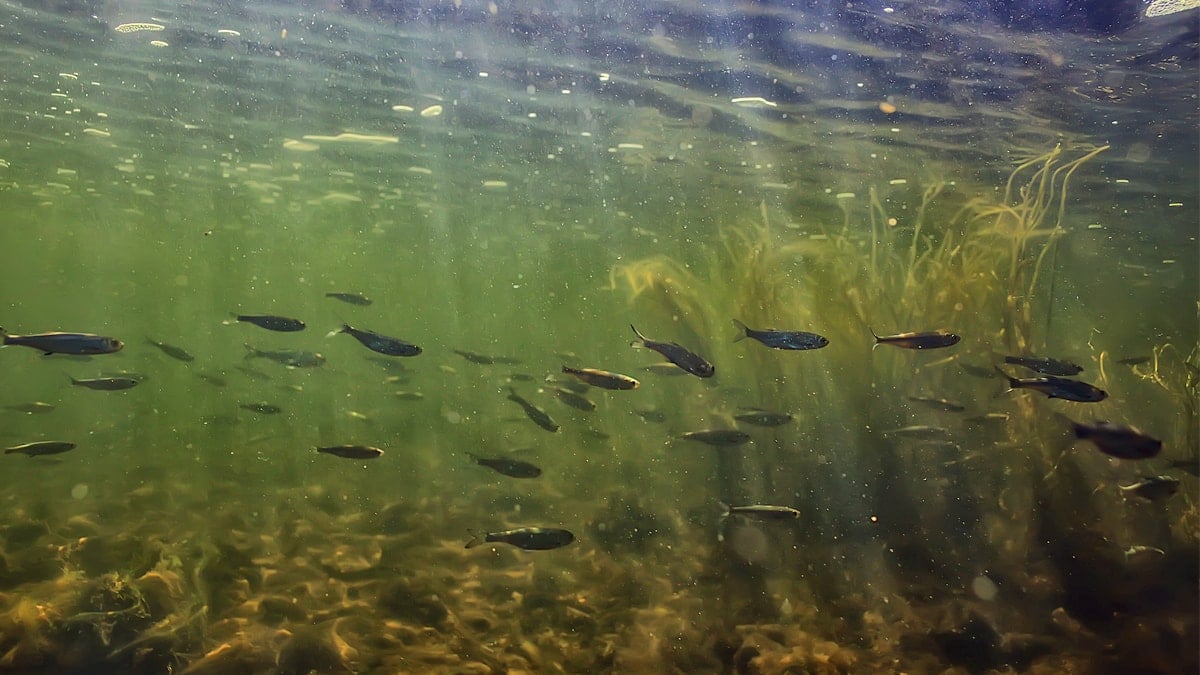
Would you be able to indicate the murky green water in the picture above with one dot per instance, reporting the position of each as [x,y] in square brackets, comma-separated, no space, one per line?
[523,183]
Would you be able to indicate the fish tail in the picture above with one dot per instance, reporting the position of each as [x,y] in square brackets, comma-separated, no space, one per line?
[251,352]
[726,510]
[745,332]
[11,451]
[641,339]
[474,540]
[569,370]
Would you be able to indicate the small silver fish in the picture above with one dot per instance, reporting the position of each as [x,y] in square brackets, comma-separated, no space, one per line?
[106,383]
[38,448]
[760,511]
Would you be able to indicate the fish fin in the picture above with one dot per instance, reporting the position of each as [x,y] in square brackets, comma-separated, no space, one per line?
[745,331]
[474,540]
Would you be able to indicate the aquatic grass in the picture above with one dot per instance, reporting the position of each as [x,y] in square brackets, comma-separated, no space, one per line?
[974,265]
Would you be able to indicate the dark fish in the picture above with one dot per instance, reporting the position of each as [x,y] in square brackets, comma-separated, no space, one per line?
[1058,387]
[178,353]
[351,298]
[603,378]
[40,448]
[381,344]
[252,373]
[65,343]
[513,468]
[651,415]
[292,359]
[214,380]
[528,538]
[1153,488]
[521,377]
[762,418]
[976,371]
[939,403]
[570,383]
[486,360]
[107,383]
[934,339]
[781,339]
[1134,360]
[676,354]
[352,451]
[1191,466]
[760,512]
[35,408]
[718,437]
[577,401]
[1045,366]
[534,413]
[262,408]
[920,432]
[596,434]
[280,324]
[1118,440]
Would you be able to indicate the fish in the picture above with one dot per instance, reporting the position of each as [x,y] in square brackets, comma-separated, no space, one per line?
[1118,440]
[1058,387]
[177,353]
[409,395]
[760,512]
[690,362]
[664,369]
[781,339]
[763,418]
[939,403]
[650,414]
[603,378]
[65,343]
[252,373]
[521,377]
[1191,466]
[577,401]
[976,371]
[380,344]
[991,417]
[38,448]
[262,408]
[291,359]
[571,384]
[534,413]
[513,468]
[280,324]
[35,408]
[920,432]
[1152,488]
[1044,365]
[107,383]
[352,451]
[718,437]
[528,538]
[1134,360]
[214,380]
[485,360]
[934,339]
[351,298]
